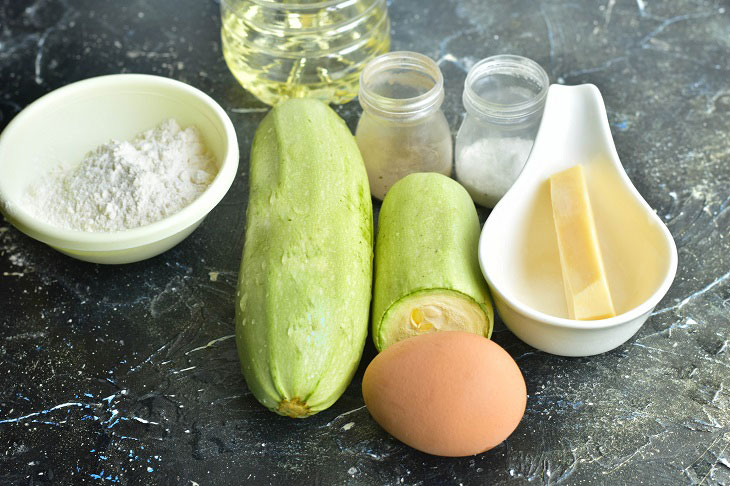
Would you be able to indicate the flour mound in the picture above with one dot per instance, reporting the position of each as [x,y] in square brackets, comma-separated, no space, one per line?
[123,185]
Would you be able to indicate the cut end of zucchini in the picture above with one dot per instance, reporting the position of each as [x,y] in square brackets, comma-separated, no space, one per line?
[432,311]
[294,408]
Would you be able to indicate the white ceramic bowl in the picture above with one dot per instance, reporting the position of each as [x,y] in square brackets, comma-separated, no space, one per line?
[69,122]
[518,249]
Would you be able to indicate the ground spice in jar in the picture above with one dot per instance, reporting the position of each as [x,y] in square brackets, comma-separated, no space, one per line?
[488,167]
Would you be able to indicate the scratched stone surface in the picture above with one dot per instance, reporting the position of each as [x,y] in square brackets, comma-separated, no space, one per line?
[129,374]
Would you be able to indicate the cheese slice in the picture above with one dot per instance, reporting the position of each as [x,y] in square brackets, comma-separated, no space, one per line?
[584,277]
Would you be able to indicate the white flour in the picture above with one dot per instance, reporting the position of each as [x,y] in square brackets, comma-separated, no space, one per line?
[123,185]
[488,167]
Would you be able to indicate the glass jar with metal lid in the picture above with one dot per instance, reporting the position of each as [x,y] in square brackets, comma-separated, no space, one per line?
[288,49]
[504,98]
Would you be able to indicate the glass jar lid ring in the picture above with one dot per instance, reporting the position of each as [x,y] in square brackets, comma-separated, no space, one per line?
[515,66]
[404,107]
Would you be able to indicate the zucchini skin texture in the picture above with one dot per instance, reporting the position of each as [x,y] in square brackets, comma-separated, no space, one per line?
[304,288]
[428,238]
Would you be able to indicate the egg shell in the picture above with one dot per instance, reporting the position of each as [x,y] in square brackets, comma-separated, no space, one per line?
[446,393]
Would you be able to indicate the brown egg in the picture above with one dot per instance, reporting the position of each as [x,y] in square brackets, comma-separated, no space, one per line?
[446,393]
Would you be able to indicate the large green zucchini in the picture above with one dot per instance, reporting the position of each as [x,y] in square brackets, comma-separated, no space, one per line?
[305,282]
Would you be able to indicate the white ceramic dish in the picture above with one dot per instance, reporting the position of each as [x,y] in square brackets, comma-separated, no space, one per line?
[69,122]
[518,250]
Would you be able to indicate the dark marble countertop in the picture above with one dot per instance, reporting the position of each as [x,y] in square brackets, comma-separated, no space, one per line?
[129,374]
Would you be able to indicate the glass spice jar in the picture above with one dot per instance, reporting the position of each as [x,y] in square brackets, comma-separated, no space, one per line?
[504,97]
[402,128]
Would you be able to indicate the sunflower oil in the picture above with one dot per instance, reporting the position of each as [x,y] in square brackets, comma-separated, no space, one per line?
[280,49]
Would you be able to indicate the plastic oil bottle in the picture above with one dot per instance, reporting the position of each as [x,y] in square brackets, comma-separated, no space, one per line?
[279,49]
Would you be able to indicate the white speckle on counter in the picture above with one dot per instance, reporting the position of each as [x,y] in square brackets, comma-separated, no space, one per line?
[249,110]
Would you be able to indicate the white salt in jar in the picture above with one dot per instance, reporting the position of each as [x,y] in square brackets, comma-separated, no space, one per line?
[402,128]
[504,97]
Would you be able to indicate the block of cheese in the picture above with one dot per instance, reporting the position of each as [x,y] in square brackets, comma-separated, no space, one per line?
[584,278]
